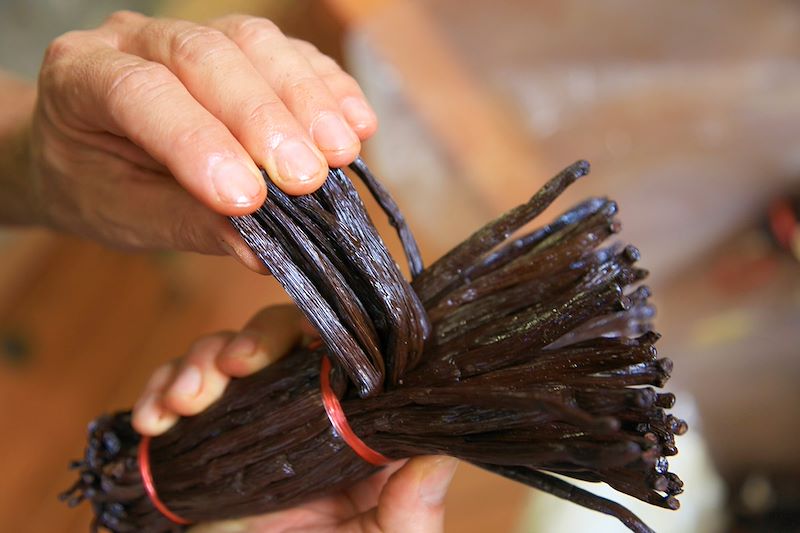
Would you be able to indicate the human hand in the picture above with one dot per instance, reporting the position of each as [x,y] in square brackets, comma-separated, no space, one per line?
[187,385]
[148,131]
[404,496]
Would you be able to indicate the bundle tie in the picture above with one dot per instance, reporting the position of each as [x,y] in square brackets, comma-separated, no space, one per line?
[150,487]
[335,412]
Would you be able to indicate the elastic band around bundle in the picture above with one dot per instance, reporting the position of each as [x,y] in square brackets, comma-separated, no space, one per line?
[339,421]
[149,486]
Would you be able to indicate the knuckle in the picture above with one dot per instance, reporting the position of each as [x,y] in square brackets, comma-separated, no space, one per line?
[328,65]
[62,47]
[302,87]
[252,31]
[199,347]
[305,47]
[122,17]
[196,44]
[263,112]
[202,136]
[137,79]
[341,82]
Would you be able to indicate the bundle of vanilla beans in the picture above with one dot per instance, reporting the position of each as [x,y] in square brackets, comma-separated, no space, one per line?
[528,356]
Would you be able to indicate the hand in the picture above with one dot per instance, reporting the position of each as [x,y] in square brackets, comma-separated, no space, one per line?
[147,131]
[188,385]
[404,496]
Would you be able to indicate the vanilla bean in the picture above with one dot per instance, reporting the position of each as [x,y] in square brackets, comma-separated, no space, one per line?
[447,270]
[530,356]
[396,218]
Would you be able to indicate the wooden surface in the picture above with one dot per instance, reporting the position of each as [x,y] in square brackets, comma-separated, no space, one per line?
[94,324]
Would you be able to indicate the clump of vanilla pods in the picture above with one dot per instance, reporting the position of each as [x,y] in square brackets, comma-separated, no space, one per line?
[527,356]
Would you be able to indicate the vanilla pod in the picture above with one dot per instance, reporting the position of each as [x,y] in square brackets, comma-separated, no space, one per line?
[528,356]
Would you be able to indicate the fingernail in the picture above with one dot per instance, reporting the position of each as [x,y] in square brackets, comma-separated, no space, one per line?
[357,112]
[188,381]
[436,479]
[296,161]
[332,134]
[236,183]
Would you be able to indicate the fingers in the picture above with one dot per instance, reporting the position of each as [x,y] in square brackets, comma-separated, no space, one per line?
[198,382]
[343,87]
[292,108]
[268,336]
[187,386]
[223,80]
[182,388]
[146,103]
[149,415]
[206,105]
[161,215]
[294,80]
[211,103]
[413,498]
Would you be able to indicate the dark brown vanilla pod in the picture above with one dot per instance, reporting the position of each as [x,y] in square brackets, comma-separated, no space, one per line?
[328,255]
[449,268]
[532,356]
[396,218]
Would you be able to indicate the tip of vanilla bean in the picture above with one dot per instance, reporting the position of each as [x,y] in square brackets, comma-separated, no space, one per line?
[578,169]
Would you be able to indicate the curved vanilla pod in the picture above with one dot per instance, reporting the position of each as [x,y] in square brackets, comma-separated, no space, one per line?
[447,269]
[304,239]
[396,218]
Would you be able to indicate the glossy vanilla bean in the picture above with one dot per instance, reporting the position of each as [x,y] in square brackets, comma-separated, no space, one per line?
[526,356]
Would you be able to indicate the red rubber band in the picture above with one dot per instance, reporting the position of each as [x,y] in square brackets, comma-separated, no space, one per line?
[339,421]
[149,486]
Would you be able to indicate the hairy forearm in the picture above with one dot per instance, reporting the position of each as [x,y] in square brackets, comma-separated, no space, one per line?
[17,194]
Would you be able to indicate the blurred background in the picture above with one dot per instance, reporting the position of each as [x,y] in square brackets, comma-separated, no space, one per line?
[690,114]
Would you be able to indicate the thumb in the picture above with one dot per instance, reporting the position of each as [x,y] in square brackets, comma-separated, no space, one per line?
[413,497]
